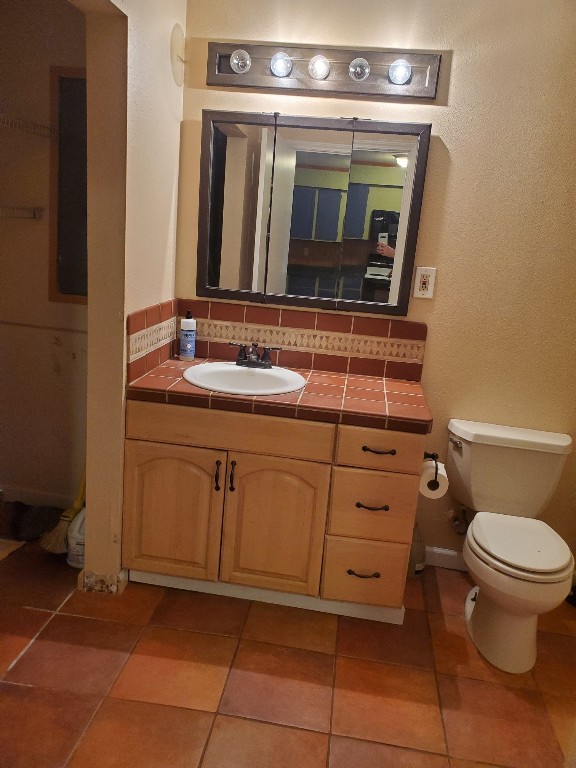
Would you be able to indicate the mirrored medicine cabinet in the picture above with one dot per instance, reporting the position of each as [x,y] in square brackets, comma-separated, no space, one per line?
[310,212]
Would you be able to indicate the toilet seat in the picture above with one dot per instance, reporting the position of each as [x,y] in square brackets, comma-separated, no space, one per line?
[524,548]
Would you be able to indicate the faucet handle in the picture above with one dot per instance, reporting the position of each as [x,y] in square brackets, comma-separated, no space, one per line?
[266,354]
[241,351]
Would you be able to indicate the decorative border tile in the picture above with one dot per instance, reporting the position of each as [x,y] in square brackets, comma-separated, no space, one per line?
[308,340]
[149,339]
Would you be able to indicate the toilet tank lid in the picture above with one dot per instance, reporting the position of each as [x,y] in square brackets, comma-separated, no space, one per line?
[512,437]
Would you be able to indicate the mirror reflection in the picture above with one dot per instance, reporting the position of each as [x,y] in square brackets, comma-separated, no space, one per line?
[301,213]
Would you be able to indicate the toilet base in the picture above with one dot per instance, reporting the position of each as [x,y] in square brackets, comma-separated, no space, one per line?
[507,640]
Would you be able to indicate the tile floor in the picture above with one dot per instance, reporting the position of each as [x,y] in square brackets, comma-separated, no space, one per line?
[159,678]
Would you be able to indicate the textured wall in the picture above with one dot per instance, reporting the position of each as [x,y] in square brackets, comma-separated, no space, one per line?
[498,211]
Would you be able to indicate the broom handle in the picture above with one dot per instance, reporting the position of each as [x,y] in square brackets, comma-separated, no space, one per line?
[69,514]
[79,500]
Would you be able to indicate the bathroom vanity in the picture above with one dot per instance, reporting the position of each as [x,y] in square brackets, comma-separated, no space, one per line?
[225,500]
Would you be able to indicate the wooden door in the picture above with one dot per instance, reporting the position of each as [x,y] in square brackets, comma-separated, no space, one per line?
[274,522]
[173,501]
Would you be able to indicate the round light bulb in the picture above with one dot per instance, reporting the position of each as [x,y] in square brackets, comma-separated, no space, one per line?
[319,67]
[359,70]
[281,64]
[240,61]
[399,72]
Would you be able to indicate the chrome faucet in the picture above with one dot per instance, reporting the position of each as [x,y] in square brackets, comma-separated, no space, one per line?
[249,357]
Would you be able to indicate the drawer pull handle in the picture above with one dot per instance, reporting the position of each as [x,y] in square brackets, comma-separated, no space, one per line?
[385,508]
[374,575]
[217,476]
[391,452]
[232,468]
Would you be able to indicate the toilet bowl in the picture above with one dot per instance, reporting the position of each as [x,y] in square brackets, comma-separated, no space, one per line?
[522,569]
[521,566]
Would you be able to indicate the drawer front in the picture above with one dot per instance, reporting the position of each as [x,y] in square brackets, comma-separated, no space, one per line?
[397,492]
[208,428]
[380,449]
[365,558]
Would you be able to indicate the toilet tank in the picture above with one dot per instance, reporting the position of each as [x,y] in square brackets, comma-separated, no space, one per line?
[509,470]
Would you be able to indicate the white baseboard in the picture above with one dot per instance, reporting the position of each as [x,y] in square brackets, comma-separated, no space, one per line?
[445,558]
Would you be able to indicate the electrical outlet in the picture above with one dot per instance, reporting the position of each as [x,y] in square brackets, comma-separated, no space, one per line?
[424,282]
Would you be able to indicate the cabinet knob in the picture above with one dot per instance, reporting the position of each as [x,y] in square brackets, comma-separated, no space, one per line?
[217,476]
[232,468]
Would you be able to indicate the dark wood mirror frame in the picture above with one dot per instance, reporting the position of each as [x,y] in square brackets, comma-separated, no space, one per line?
[210,207]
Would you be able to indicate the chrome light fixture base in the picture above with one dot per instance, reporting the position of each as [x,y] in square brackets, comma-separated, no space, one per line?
[377,73]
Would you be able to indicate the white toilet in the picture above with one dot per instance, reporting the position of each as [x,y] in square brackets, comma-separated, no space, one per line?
[507,475]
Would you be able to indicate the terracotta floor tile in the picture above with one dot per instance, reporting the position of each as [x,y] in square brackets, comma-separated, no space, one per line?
[18,626]
[455,763]
[387,703]
[76,654]
[408,643]
[38,727]
[456,654]
[288,686]
[414,593]
[133,734]
[36,578]
[199,612]
[497,724]
[182,669]
[352,753]
[134,606]
[445,590]
[238,743]
[561,621]
[555,664]
[295,627]
[562,713]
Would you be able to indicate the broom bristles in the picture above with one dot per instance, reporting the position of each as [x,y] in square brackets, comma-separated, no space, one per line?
[56,540]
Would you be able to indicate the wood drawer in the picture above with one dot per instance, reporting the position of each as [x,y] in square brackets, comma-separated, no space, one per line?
[355,446]
[373,489]
[227,430]
[365,558]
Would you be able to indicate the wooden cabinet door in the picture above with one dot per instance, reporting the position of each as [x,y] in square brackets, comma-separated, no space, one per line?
[173,509]
[274,521]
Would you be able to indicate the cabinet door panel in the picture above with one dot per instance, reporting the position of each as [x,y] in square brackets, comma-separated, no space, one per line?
[274,523]
[172,511]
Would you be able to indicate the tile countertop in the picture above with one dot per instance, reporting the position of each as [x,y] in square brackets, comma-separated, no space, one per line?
[337,398]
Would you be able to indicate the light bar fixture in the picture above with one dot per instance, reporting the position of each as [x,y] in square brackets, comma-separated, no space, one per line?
[388,73]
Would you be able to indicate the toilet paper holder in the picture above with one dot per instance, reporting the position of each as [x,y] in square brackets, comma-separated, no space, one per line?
[433,484]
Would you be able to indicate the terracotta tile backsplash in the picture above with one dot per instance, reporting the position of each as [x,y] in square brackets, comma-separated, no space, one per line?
[335,342]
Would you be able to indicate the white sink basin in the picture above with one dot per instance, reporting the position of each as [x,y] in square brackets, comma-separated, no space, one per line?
[234,379]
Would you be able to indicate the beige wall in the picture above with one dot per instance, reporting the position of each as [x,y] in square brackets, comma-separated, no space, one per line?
[43,359]
[498,210]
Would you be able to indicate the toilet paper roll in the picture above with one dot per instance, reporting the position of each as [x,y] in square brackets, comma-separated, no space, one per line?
[429,486]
